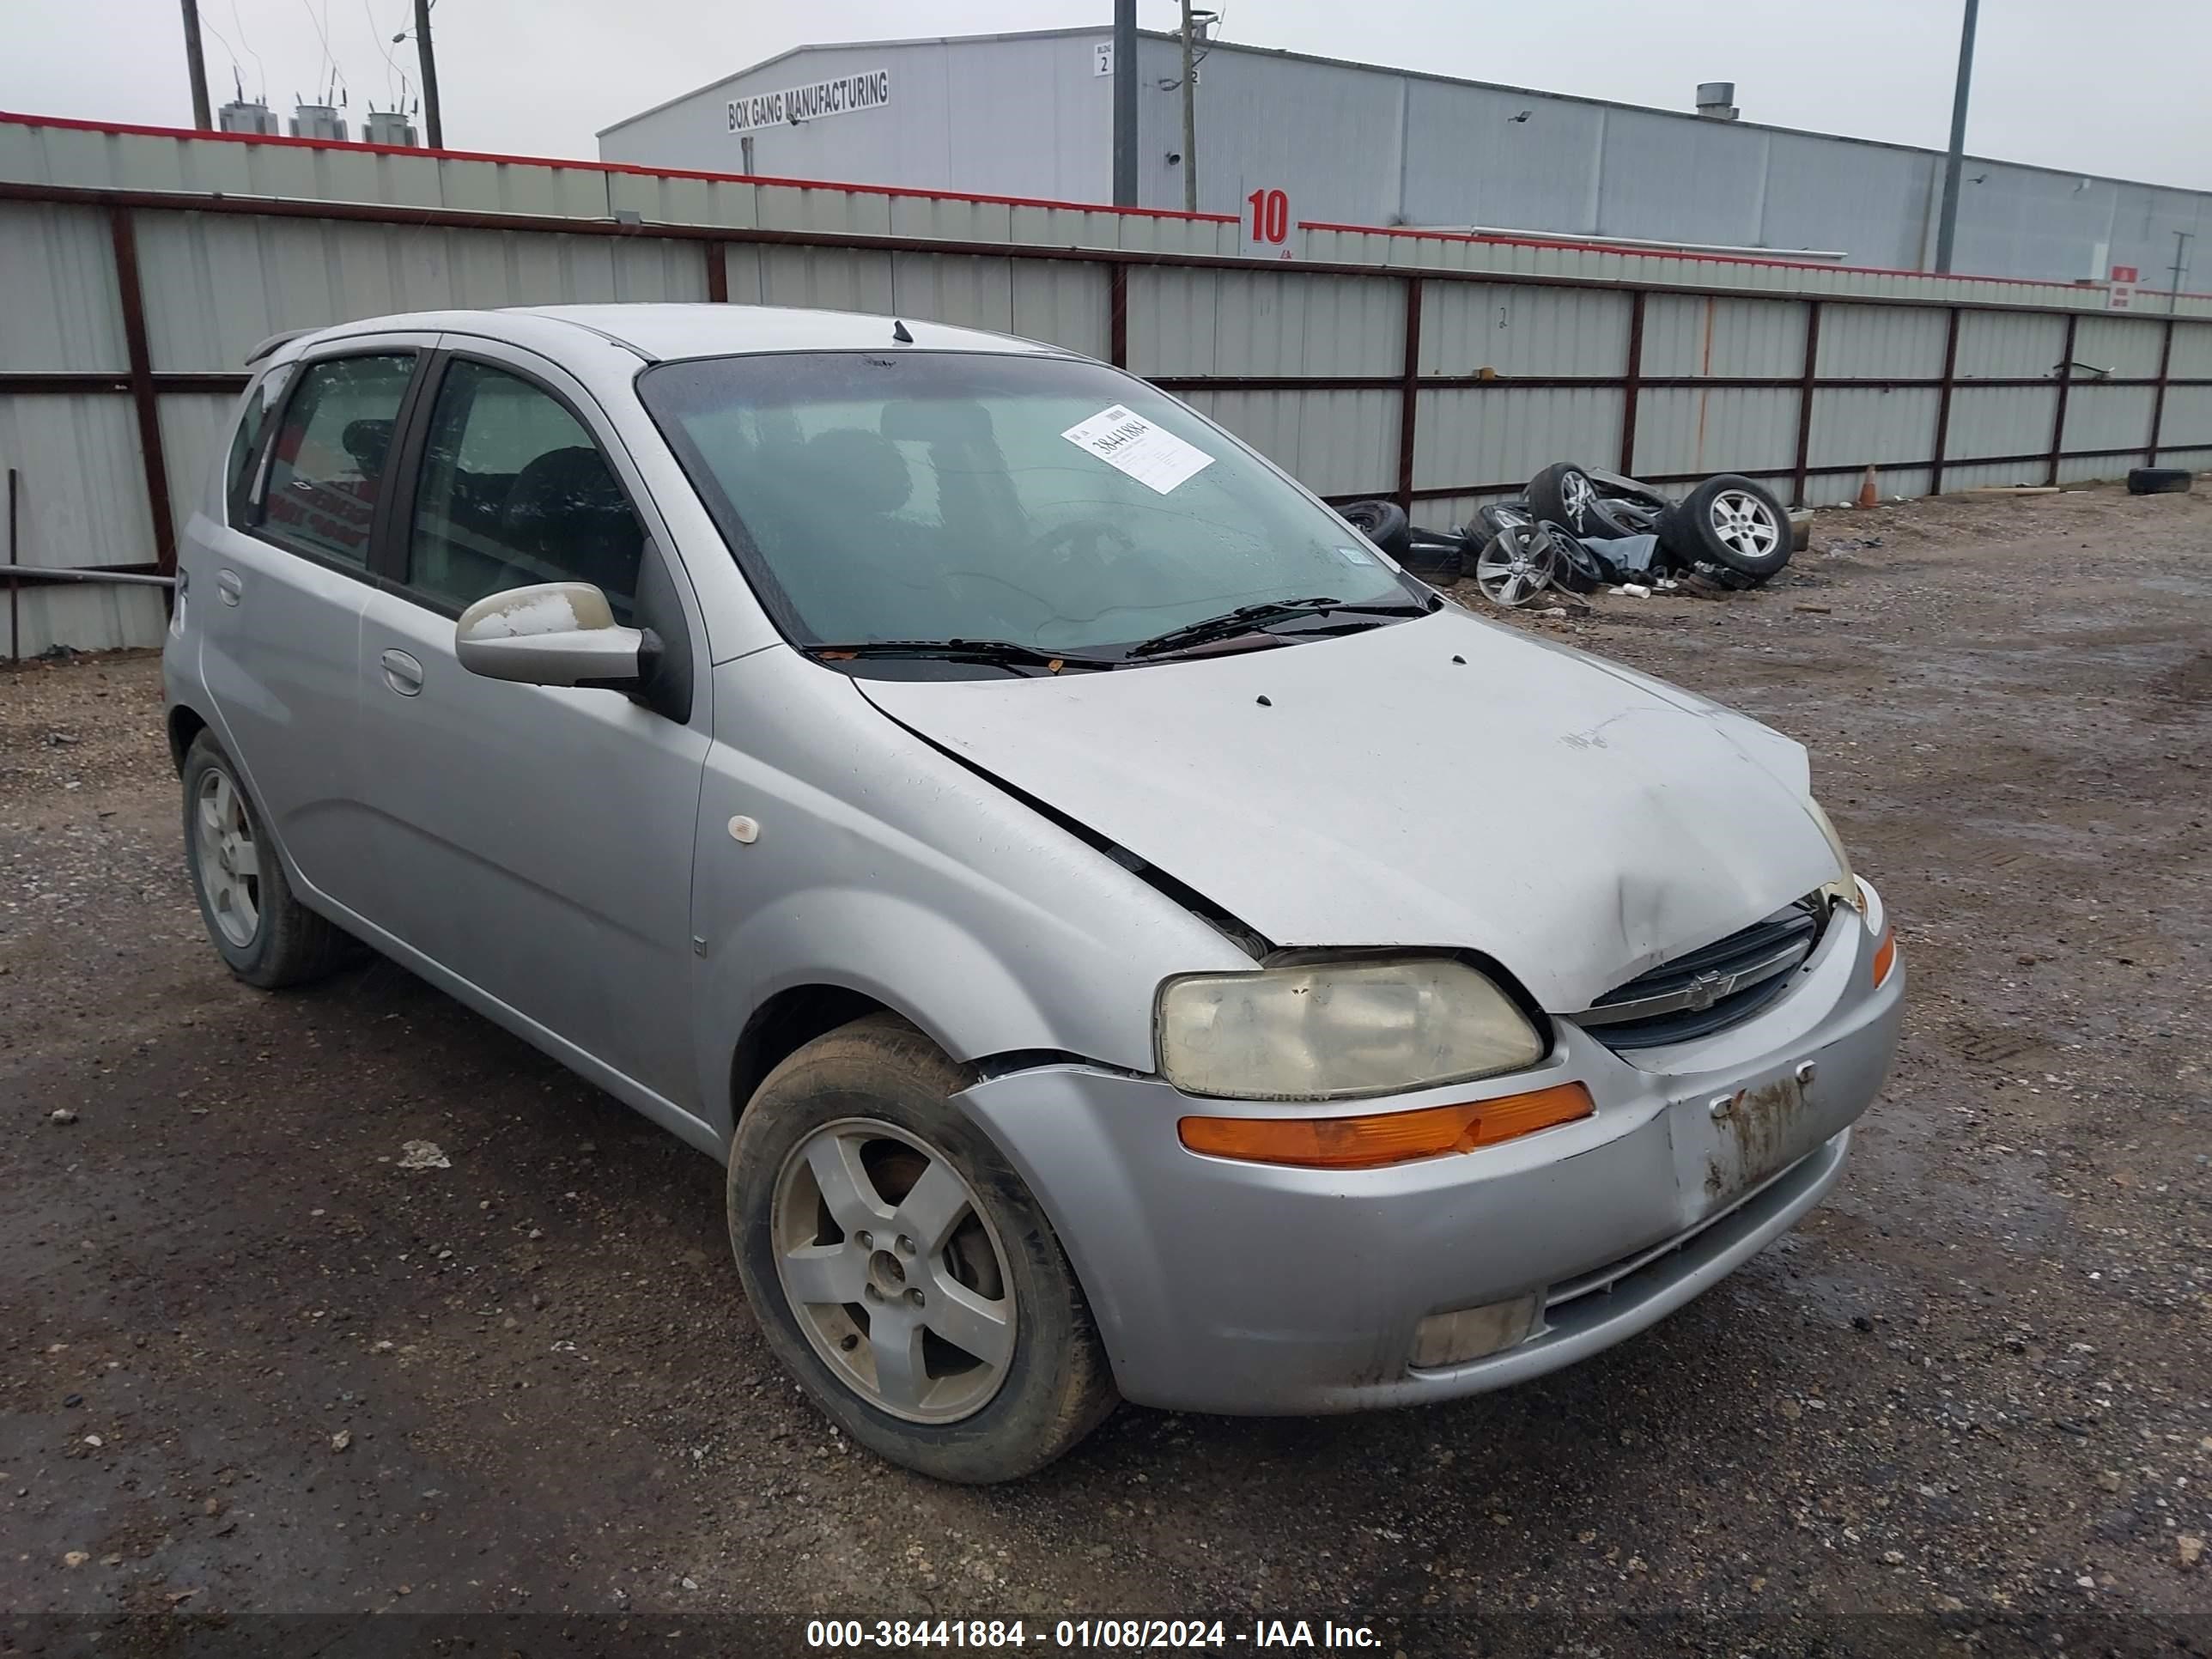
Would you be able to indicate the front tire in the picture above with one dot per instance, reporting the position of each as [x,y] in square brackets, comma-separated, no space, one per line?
[265,935]
[900,1267]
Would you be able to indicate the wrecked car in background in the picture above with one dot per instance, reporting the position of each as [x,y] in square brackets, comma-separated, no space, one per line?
[996,813]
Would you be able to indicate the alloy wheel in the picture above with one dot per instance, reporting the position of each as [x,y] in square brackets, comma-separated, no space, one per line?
[894,1274]
[1515,566]
[1745,523]
[229,859]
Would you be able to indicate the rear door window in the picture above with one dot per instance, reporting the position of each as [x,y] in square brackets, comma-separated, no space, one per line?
[330,455]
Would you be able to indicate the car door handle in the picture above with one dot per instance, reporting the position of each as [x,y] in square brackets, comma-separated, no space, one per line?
[403,673]
[229,585]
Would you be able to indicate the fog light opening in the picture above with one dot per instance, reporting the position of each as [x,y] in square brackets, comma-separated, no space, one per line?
[1465,1333]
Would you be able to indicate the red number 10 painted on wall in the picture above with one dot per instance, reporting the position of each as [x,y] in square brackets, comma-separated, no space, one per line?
[1271,217]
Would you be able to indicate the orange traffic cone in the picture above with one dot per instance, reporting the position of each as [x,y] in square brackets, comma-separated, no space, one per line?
[1869,494]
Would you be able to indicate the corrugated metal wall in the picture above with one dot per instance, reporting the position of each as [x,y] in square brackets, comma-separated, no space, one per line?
[1523,355]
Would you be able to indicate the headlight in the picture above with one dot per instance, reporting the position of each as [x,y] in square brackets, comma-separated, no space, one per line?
[1334,1030]
[1845,889]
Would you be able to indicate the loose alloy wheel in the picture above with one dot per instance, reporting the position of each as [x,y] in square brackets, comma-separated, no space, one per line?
[897,1276]
[229,859]
[1745,523]
[1517,566]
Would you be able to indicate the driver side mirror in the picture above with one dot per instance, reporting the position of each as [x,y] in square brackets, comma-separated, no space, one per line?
[552,633]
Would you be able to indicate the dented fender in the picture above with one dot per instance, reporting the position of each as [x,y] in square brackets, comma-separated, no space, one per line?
[864,858]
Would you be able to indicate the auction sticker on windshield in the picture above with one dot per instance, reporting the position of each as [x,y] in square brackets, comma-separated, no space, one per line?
[1151,455]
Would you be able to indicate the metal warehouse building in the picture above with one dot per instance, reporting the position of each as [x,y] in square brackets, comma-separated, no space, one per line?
[1030,115]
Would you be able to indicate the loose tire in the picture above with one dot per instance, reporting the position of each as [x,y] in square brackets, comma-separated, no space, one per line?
[265,936]
[1731,521]
[1382,523]
[1575,569]
[2159,480]
[1434,557]
[901,1270]
[1565,495]
[1499,516]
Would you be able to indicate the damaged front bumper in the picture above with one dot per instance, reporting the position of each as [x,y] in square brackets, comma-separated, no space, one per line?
[1245,1288]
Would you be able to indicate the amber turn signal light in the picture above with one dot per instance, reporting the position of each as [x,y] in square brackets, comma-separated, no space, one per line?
[1375,1138]
[1885,956]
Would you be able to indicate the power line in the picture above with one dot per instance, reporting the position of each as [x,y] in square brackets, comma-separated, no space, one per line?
[391,63]
[261,69]
[330,60]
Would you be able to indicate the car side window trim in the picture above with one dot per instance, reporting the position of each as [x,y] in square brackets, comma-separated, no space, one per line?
[252,521]
[387,533]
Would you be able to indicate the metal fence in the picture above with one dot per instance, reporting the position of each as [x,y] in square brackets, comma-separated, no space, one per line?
[140,266]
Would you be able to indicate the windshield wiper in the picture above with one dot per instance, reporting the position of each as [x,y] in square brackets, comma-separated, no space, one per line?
[1248,618]
[997,653]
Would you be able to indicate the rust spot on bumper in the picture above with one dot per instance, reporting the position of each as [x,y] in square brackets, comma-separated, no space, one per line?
[1756,1136]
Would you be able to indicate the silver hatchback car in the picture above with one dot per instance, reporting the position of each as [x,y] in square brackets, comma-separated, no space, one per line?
[1124,938]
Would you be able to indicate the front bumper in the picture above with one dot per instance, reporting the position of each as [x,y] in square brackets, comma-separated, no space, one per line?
[1254,1289]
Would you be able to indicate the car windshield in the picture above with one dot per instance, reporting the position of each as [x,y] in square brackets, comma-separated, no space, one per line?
[1050,504]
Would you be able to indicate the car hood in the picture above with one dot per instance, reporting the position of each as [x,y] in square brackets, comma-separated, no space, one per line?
[1444,782]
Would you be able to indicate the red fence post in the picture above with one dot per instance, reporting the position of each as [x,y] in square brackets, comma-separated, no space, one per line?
[1631,383]
[1943,404]
[1805,400]
[2065,383]
[1409,394]
[125,242]
[1117,315]
[2158,398]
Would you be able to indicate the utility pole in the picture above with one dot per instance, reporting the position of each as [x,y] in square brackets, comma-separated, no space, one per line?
[1189,118]
[202,117]
[433,127]
[1947,225]
[1125,102]
[2179,268]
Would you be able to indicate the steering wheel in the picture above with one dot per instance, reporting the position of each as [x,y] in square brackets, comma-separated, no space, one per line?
[1094,534]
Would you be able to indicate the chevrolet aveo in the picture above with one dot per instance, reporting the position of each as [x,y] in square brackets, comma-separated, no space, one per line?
[1124,937]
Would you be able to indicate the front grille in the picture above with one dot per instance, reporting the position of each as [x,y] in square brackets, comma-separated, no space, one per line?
[1712,987]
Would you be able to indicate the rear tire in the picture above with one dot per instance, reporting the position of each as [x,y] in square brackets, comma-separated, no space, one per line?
[1017,1375]
[265,935]
[2159,480]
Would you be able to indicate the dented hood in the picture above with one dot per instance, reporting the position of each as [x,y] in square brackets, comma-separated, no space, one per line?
[1577,822]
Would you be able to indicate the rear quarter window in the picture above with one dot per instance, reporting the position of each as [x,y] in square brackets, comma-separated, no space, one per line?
[239,471]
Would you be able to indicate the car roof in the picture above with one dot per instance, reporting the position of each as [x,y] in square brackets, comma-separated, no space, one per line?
[669,332]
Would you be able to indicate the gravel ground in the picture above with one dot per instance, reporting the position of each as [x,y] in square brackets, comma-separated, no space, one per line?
[255,1365]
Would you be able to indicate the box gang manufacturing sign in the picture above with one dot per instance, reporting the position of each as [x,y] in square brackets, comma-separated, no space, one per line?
[871,89]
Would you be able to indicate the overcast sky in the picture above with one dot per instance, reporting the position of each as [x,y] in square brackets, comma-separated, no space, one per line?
[2108,89]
